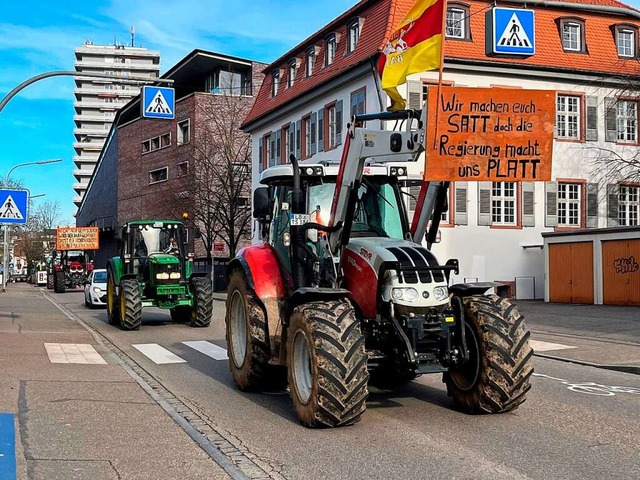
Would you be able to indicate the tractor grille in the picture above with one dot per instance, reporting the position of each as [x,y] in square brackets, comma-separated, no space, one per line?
[414,263]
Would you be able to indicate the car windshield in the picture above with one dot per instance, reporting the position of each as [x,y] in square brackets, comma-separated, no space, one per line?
[377,212]
[100,277]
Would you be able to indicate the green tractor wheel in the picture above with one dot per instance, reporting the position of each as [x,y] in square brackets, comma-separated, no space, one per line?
[130,304]
[202,309]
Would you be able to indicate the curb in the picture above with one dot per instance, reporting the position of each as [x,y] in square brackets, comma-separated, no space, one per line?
[632,369]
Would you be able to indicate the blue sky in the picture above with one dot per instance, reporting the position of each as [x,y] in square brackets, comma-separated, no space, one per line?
[38,36]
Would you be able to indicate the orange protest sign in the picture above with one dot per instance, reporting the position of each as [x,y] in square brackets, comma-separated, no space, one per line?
[493,134]
[77,238]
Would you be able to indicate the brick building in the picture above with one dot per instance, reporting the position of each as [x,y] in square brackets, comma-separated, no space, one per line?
[146,169]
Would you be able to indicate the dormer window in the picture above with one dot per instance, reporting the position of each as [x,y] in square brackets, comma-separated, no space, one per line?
[354,35]
[457,25]
[330,50]
[311,61]
[292,70]
[572,35]
[626,40]
[275,83]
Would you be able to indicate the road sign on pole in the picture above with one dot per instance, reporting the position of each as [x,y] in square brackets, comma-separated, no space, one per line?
[158,102]
[13,207]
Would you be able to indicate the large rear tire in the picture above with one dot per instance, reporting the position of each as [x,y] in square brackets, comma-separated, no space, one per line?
[327,364]
[113,313]
[130,304]
[496,377]
[50,280]
[246,334]
[202,309]
[58,282]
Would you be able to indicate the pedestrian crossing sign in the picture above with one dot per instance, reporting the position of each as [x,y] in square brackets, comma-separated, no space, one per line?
[512,31]
[158,102]
[13,206]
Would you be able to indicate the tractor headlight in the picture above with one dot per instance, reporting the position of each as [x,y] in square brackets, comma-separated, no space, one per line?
[440,293]
[406,294]
[162,276]
[174,275]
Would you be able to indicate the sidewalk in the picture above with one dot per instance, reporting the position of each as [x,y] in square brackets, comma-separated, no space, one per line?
[85,421]
[601,334]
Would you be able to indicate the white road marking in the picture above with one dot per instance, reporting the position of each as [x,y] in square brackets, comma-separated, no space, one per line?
[78,353]
[209,349]
[539,346]
[158,354]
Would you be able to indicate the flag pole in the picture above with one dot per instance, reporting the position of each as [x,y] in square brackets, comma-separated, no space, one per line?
[440,70]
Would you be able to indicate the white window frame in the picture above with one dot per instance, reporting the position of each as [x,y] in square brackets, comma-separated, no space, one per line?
[331,45]
[572,36]
[306,122]
[183,169]
[626,42]
[354,35]
[504,199]
[627,121]
[310,61]
[628,205]
[275,83]
[291,73]
[568,116]
[157,170]
[455,23]
[331,126]
[183,132]
[569,204]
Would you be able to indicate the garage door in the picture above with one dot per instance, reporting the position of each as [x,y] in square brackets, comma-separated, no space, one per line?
[571,272]
[621,272]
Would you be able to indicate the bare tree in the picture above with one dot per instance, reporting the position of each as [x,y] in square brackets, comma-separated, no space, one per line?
[220,177]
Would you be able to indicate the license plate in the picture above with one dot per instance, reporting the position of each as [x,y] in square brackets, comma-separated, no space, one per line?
[298,219]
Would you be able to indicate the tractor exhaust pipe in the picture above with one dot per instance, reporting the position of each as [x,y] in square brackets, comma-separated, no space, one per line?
[297,231]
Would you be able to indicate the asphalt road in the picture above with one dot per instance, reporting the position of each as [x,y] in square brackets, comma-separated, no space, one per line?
[578,422]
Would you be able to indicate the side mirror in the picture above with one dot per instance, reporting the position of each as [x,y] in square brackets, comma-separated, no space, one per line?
[261,203]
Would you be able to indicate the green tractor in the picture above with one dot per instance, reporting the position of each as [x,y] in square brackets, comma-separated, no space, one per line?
[155,270]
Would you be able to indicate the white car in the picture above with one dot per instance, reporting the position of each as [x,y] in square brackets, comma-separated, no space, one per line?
[95,288]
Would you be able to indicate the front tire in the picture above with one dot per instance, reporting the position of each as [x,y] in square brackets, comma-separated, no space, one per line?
[327,364]
[496,377]
[246,334]
[202,309]
[58,282]
[130,304]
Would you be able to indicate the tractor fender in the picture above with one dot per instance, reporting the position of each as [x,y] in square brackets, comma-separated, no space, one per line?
[475,288]
[263,276]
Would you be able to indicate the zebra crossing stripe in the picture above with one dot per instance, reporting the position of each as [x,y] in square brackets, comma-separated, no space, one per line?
[208,348]
[539,346]
[158,354]
[77,353]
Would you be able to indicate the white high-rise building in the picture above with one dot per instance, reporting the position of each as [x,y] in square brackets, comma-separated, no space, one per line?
[98,100]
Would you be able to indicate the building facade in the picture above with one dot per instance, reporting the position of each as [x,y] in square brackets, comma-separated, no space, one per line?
[98,100]
[148,167]
[586,53]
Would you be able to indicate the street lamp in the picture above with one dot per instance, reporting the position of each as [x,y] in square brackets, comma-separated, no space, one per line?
[5,245]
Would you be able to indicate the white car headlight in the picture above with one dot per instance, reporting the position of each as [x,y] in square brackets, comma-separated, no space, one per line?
[406,294]
[97,290]
[440,293]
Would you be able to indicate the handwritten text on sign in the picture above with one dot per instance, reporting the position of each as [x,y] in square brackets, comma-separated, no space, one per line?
[495,134]
[77,238]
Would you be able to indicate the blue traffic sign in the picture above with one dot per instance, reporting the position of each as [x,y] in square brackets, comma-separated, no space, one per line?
[158,102]
[13,206]
[513,31]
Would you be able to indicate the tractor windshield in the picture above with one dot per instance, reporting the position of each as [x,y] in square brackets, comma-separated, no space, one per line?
[149,239]
[377,213]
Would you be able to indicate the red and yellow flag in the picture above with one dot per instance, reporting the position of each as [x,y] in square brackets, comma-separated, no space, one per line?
[415,46]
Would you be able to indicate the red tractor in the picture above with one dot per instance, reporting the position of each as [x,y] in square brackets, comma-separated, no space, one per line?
[341,289]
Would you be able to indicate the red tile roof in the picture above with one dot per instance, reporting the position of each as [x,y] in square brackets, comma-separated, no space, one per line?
[382,16]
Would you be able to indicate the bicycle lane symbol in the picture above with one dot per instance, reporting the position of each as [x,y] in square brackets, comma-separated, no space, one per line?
[591,388]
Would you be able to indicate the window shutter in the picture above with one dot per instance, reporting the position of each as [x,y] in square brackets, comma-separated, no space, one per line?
[611,132]
[461,216]
[612,205]
[339,122]
[279,147]
[551,206]
[313,132]
[321,130]
[292,141]
[414,94]
[592,205]
[592,119]
[260,157]
[272,150]
[484,203]
[298,139]
[528,204]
